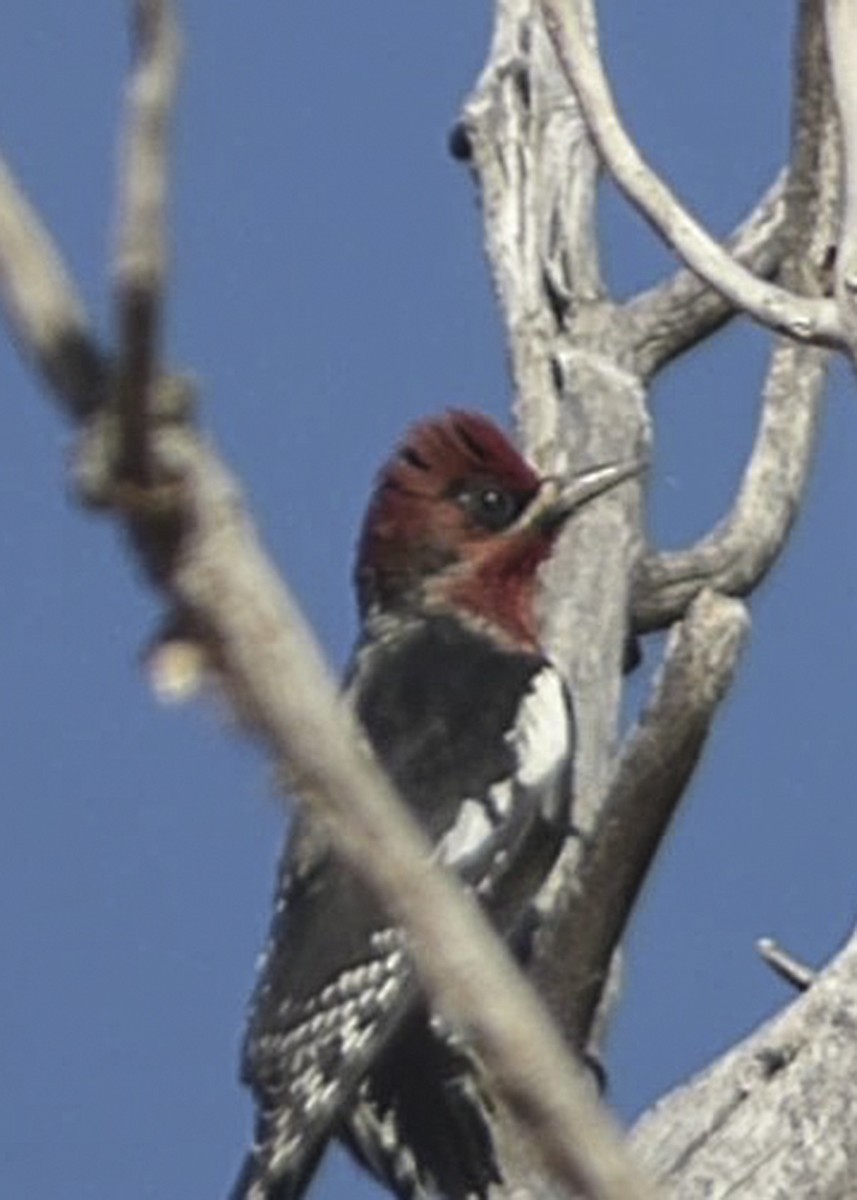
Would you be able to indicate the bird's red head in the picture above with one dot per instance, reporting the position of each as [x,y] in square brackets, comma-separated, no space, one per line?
[460,522]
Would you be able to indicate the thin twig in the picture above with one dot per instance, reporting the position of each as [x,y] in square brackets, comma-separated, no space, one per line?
[141,258]
[815,320]
[798,974]
[44,311]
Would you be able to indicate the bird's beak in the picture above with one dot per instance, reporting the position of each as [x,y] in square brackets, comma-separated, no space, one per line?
[557,499]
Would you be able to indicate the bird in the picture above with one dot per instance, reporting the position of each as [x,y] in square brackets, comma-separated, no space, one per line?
[474,725]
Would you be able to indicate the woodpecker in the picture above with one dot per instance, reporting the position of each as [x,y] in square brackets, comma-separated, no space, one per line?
[474,727]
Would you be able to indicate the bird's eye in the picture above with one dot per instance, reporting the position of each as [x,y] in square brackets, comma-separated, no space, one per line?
[490,505]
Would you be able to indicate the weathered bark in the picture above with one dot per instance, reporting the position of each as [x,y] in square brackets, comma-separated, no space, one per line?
[777,1115]
[581,365]
[774,1117]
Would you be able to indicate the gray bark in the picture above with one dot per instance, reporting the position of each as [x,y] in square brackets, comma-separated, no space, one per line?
[775,1116]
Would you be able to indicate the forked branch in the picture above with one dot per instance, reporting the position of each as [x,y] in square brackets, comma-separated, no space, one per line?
[739,552]
[575,42]
[669,319]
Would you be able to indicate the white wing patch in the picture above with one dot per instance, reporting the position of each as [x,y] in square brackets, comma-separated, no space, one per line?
[540,741]
[540,737]
[469,833]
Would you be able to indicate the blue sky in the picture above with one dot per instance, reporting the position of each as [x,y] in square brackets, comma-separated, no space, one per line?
[329,287]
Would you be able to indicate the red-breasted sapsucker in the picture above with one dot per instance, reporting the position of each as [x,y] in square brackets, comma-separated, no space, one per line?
[474,727]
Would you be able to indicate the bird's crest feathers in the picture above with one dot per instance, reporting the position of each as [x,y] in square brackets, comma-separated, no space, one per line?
[452,486]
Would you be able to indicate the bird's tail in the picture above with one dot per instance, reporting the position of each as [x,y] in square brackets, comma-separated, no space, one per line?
[259,1179]
[421,1122]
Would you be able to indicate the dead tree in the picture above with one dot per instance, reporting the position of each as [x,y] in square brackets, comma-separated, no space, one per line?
[540,125]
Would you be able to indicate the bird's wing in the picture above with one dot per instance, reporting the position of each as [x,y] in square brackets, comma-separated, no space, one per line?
[479,750]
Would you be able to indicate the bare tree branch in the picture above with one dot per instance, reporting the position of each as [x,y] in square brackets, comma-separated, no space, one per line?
[44,311]
[141,259]
[578,399]
[526,142]
[652,776]
[676,315]
[579,363]
[575,931]
[574,39]
[737,554]
[774,1116]
[841,22]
